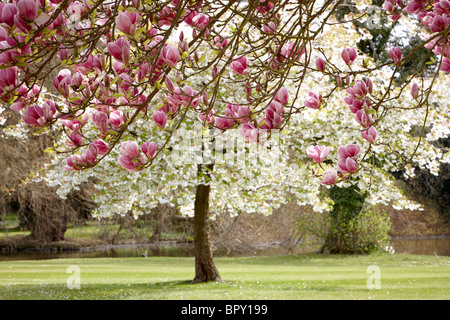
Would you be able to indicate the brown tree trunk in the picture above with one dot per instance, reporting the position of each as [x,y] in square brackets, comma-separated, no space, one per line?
[205,269]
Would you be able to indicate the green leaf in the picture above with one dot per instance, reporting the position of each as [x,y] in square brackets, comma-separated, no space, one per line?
[50,150]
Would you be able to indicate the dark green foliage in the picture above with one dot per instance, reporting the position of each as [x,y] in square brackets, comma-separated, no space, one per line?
[354,227]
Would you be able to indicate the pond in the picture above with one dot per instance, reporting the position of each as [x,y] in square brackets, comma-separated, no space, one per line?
[430,246]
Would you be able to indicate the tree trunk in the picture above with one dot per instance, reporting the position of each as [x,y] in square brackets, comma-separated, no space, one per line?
[205,269]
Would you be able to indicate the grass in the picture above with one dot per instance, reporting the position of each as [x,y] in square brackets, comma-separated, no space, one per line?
[277,277]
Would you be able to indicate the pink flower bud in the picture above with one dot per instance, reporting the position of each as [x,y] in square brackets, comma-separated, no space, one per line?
[320,64]
[116,119]
[170,55]
[270,27]
[149,149]
[63,53]
[282,96]
[348,55]
[100,120]
[160,118]
[169,83]
[396,55]
[363,119]
[415,91]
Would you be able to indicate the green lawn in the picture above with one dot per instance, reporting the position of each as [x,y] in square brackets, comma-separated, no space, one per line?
[281,277]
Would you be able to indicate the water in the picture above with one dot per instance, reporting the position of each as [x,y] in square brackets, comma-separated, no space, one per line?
[431,245]
[428,246]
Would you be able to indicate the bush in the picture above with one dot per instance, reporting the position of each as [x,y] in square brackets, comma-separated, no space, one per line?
[364,233]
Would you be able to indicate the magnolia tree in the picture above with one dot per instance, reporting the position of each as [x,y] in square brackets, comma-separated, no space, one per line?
[132,77]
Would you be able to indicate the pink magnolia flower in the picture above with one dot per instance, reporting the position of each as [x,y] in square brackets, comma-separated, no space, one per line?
[91,153]
[353,104]
[396,55]
[320,64]
[77,80]
[8,79]
[74,162]
[17,105]
[282,96]
[8,12]
[363,119]
[249,131]
[292,51]
[239,65]
[170,55]
[329,177]
[62,82]
[439,23]
[244,114]
[129,148]
[127,22]
[273,118]
[370,134]
[160,118]
[317,153]
[75,140]
[169,84]
[28,8]
[349,151]
[348,55]
[38,116]
[102,147]
[200,21]
[276,106]
[313,100]
[220,42]
[347,165]
[116,119]
[149,149]
[442,7]
[271,27]
[63,53]
[445,66]
[223,123]
[358,90]
[131,158]
[120,49]
[186,97]
[413,6]
[207,118]
[100,120]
